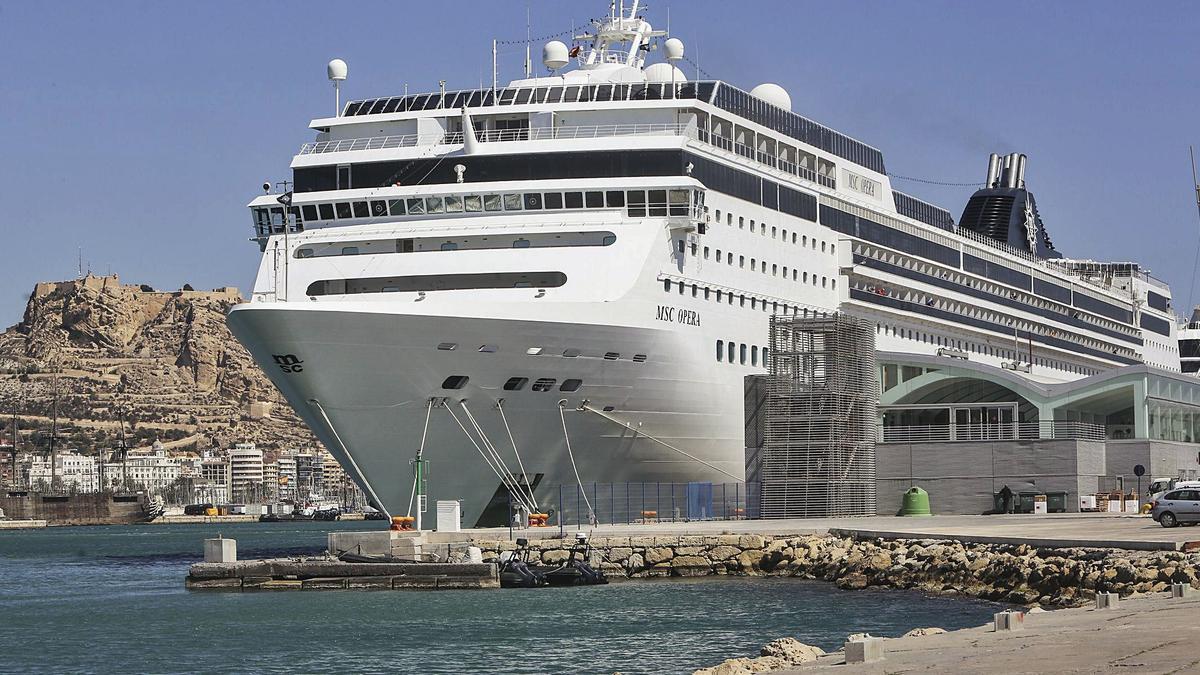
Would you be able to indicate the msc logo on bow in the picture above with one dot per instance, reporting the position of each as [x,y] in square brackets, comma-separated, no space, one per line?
[288,363]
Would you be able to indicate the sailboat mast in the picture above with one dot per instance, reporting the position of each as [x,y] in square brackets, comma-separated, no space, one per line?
[54,433]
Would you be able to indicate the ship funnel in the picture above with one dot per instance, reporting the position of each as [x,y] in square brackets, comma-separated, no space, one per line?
[1020,171]
[993,170]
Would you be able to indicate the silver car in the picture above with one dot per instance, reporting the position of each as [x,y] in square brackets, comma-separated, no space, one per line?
[1176,507]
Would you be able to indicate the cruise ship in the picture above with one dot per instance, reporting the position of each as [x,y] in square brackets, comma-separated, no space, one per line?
[566,279]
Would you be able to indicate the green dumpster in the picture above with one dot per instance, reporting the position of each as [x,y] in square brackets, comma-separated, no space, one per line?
[1056,502]
[916,503]
[1025,502]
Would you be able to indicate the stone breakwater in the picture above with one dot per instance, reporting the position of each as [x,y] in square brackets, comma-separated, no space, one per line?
[1015,573]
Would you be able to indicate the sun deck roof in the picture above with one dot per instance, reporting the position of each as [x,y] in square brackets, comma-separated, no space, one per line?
[721,94]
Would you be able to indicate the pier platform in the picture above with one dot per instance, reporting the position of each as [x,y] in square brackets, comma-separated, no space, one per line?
[22,524]
[322,574]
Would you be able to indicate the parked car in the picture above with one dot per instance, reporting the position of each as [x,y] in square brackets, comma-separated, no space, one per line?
[1177,507]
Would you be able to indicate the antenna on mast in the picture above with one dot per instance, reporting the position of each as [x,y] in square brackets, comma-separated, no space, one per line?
[337,71]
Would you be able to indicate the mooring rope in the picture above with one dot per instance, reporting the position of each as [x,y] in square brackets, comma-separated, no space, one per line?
[482,454]
[661,442]
[567,437]
[495,455]
[370,490]
[520,464]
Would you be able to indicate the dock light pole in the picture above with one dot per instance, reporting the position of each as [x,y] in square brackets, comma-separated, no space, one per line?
[419,474]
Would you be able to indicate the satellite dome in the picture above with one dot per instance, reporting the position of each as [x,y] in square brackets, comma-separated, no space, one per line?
[554,55]
[337,69]
[663,72]
[773,94]
[674,49]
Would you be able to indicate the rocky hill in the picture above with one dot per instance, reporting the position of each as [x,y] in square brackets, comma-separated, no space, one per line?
[167,357]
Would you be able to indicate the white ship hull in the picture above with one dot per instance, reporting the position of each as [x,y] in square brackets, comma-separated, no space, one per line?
[374,370]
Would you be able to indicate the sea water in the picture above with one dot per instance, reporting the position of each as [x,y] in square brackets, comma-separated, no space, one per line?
[107,599]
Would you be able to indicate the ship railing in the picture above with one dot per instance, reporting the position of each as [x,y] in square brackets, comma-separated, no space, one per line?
[636,503]
[1000,431]
[499,136]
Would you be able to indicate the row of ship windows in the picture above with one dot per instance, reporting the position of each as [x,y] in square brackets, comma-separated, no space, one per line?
[801,240]
[638,203]
[568,353]
[733,352]
[974,311]
[774,306]
[796,275]
[885,256]
[983,350]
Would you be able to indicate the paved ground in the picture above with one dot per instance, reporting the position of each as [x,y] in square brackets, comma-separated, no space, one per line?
[1066,529]
[1152,634]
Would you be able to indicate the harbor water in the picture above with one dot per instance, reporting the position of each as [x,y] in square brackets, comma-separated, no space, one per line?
[106,599]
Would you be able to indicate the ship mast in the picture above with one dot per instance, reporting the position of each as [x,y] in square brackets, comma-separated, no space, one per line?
[54,433]
[122,448]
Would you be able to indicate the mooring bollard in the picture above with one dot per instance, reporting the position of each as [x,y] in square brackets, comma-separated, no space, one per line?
[1009,620]
[1182,591]
[1107,600]
[864,650]
[220,550]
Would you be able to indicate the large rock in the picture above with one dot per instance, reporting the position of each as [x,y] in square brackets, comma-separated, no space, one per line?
[691,566]
[724,552]
[745,666]
[791,650]
[658,555]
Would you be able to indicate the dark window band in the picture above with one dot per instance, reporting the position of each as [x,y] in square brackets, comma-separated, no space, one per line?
[437,282]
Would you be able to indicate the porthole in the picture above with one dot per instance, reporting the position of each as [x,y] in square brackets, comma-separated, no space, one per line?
[639,358]
[611,356]
[544,384]
[489,349]
[570,353]
[516,383]
[570,385]
[533,351]
[447,346]
[455,382]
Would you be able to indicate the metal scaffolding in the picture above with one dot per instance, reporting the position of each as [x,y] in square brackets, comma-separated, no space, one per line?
[818,453]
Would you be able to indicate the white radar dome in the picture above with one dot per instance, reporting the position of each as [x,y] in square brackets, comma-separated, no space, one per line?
[663,72]
[554,55]
[673,48]
[773,94]
[337,69]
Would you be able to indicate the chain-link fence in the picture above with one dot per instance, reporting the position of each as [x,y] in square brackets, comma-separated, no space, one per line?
[631,503]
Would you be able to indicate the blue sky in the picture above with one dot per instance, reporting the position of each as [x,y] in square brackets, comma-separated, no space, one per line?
[139,130]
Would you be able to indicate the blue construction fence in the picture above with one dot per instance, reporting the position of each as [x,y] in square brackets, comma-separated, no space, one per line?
[630,503]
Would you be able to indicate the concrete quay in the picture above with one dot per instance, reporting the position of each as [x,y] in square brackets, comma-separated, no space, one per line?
[1060,530]
[22,524]
[1147,634]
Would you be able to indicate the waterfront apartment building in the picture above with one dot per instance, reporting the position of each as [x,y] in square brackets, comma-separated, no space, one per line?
[270,482]
[73,472]
[286,468]
[246,472]
[151,470]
